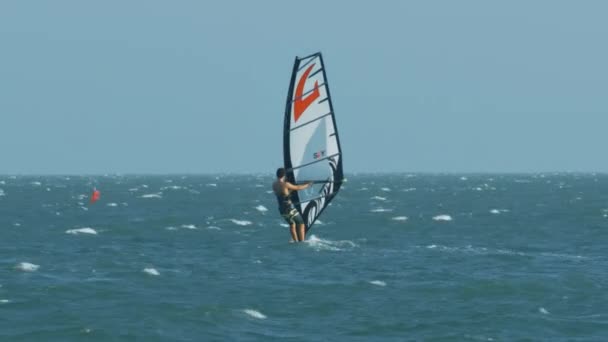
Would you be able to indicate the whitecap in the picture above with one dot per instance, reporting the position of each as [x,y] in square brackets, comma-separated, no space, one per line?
[377,282]
[85,230]
[48,189]
[112,205]
[543,311]
[284,225]
[172,187]
[498,211]
[379,198]
[214,228]
[171,228]
[36,183]
[261,208]
[463,178]
[211,184]
[144,186]
[81,196]
[156,195]
[84,208]
[27,267]
[323,244]
[2,182]
[381,210]
[4,301]
[409,189]
[442,218]
[241,222]
[385,189]
[2,193]
[17,224]
[399,218]
[254,313]
[151,271]
[133,189]
[189,226]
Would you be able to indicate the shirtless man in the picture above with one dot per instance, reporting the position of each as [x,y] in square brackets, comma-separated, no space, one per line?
[282,189]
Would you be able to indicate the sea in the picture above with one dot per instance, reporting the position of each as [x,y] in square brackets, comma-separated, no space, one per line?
[395,257]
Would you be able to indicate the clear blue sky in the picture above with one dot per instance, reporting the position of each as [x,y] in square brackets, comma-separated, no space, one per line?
[200,86]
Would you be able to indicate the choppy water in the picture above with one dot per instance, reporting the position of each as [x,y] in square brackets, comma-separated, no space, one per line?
[396,257]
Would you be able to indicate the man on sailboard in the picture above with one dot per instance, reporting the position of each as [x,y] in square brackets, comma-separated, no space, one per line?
[282,189]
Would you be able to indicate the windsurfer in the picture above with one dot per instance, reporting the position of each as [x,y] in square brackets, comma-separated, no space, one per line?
[282,189]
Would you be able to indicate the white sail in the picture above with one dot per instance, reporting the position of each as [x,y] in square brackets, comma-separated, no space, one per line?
[311,143]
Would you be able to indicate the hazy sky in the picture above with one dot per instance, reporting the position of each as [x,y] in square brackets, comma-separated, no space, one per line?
[200,86]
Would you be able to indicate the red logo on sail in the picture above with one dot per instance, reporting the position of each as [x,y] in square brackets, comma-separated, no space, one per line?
[300,103]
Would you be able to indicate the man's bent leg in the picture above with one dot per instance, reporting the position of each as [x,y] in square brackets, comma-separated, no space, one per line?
[292,230]
[302,232]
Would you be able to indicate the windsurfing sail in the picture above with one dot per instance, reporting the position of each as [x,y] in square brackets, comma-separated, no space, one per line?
[311,146]
[95,196]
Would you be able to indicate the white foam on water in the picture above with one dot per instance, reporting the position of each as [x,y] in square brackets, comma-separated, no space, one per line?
[241,222]
[156,195]
[543,311]
[409,189]
[442,218]
[379,198]
[144,186]
[125,204]
[188,226]
[172,187]
[133,189]
[2,182]
[284,225]
[4,301]
[17,224]
[478,189]
[27,267]
[385,189]
[329,245]
[381,210]
[261,208]
[171,228]
[319,222]
[399,218]
[151,271]
[257,261]
[377,283]
[36,183]
[363,189]
[214,228]
[211,184]
[112,205]
[84,208]
[463,178]
[2,193]
[269,191]
[85,230]
[254,313]
[48,189]
[81,196]
[498,211]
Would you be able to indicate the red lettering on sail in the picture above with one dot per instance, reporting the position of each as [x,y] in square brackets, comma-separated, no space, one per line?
[300,103]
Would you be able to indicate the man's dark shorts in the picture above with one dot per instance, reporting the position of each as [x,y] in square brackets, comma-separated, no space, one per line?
[293,217]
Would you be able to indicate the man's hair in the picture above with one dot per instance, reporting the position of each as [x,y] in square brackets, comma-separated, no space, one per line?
[280,172]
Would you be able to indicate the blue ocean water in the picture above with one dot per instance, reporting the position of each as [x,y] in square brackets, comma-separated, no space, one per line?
[484,257]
